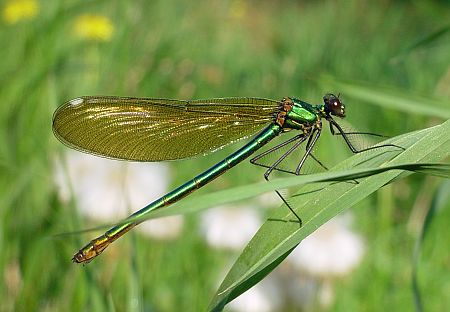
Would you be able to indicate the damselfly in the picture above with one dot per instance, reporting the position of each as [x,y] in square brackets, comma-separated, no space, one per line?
[145,129]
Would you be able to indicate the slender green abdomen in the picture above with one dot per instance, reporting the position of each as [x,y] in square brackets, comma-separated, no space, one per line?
[96,246]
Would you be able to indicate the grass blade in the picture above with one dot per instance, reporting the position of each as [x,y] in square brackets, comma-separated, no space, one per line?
[274,240]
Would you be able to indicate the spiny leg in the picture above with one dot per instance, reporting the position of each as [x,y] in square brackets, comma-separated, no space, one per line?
[301,138]
[312,155]
[255,160]
[275,164]
[309,146]
[318,161]
[283,157]
[353,181]
[350,145]
[313,136]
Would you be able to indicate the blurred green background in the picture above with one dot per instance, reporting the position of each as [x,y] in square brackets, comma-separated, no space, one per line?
[53,52]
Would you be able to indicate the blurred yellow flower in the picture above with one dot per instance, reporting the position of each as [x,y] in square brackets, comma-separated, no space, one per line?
[17,10]
[238,9]
[94,27]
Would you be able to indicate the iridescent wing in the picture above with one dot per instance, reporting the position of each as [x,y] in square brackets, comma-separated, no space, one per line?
[144,129]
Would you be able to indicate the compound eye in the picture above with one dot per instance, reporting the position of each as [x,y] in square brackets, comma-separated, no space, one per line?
[334,105]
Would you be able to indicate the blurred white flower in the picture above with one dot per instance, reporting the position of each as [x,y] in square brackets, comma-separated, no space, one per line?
[163,228]
[270,200]
[106,189]
[298,289]
[266,296]
[333,249]
[232,228]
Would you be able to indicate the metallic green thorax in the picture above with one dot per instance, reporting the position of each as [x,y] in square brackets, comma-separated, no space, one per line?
[300,115]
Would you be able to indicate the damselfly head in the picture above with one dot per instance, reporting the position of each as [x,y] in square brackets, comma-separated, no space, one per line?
[333,105]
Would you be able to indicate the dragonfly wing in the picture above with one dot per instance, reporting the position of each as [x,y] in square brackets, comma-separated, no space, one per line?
[142,129]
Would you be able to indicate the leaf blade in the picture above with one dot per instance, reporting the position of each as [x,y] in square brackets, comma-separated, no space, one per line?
[274,240]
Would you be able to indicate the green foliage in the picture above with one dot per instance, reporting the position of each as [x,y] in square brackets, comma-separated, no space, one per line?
[389,60]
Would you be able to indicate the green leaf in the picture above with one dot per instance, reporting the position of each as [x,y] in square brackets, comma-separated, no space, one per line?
[276,239]
[442,196]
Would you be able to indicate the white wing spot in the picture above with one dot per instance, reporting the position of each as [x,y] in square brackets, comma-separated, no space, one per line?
[76,101]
